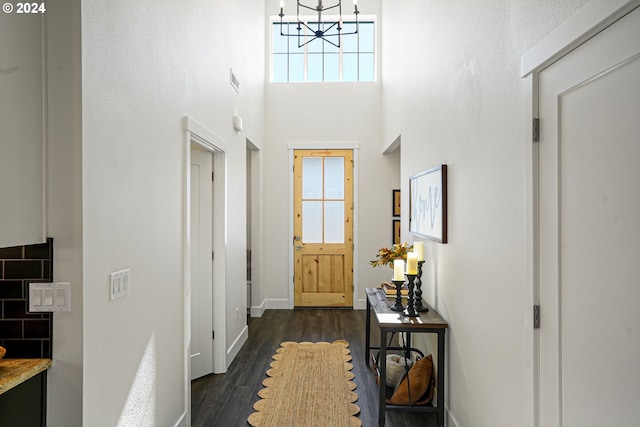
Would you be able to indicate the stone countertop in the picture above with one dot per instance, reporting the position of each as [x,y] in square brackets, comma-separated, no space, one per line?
[14,372]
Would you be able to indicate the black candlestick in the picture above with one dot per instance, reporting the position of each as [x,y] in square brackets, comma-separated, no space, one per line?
[398,305]
[411,311]
[418,302]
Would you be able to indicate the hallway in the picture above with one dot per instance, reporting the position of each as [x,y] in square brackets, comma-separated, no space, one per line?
[228,399]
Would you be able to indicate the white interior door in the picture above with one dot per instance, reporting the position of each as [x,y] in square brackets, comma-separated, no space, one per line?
[201,264]
[589,232]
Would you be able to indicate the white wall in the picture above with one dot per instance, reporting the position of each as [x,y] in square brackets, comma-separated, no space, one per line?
[145,65]
[64,210]
[453,91]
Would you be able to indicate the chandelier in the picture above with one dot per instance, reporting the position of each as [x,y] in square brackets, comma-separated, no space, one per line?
[327,31]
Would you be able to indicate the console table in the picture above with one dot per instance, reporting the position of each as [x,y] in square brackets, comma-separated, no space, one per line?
[391,321]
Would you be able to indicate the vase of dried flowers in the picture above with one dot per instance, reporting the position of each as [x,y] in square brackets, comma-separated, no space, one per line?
[386,256]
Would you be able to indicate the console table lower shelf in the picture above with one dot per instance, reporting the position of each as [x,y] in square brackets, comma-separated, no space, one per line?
[389,321]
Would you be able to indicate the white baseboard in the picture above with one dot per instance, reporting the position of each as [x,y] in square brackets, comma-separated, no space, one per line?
[233,351]
[278,304]
[258,311]
[284,304]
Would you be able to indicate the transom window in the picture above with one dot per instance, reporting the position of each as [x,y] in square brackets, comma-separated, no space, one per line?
[320,61]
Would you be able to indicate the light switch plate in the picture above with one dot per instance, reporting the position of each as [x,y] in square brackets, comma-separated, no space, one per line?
[119,284]
[49,297]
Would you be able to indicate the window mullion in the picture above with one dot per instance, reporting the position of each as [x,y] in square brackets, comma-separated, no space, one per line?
[323,59]
[358,56]
[306,57]
[340,62]
[288,56]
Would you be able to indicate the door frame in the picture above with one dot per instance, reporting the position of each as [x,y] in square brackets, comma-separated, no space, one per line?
[354,146]
[588,21]
[209,141]
[256,227]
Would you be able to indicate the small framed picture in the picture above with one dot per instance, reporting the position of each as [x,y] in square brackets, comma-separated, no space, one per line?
[396,202]
[396,231]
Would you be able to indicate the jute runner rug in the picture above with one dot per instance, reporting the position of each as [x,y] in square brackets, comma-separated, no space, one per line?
[308,385]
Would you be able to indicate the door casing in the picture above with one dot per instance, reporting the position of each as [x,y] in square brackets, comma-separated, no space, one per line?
[197,134]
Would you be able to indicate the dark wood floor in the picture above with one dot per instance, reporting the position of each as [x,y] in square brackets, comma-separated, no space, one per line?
[227,399]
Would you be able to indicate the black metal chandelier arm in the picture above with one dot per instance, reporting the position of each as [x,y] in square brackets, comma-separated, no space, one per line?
[282,33]
[311,29]
[322,8]
[287,34]
[326,30]
[353,32]
[323,38]
[317,33]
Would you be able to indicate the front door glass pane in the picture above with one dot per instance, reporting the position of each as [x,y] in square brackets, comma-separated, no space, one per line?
[334,222]
[311,222]
[312,178]
[334,178]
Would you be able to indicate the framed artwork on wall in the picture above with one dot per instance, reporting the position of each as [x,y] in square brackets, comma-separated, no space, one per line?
[428,204]
[396,202]
[396,231]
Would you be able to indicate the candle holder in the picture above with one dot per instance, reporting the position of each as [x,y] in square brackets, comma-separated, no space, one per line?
[411,311]
[418,283]
[398,305]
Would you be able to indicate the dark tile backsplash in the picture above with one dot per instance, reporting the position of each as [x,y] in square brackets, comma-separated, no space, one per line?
[23,269]
[14,252]
[11,289]
[40,251]
[24,334]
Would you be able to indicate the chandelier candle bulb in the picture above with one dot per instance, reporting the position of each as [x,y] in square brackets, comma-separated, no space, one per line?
[418,248]
[412,263]
[398,269]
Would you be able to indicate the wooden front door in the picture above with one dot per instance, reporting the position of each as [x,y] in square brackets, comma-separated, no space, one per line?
[323,228]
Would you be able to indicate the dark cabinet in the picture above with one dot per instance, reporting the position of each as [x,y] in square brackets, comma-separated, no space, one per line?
[25,405]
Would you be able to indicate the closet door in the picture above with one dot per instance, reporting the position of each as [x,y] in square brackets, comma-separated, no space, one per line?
[589,231]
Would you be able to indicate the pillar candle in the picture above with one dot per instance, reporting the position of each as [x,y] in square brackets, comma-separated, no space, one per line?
[398,269]
[418,249]
[412,263]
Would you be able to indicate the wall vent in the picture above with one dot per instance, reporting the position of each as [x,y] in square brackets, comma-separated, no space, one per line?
[234,81]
